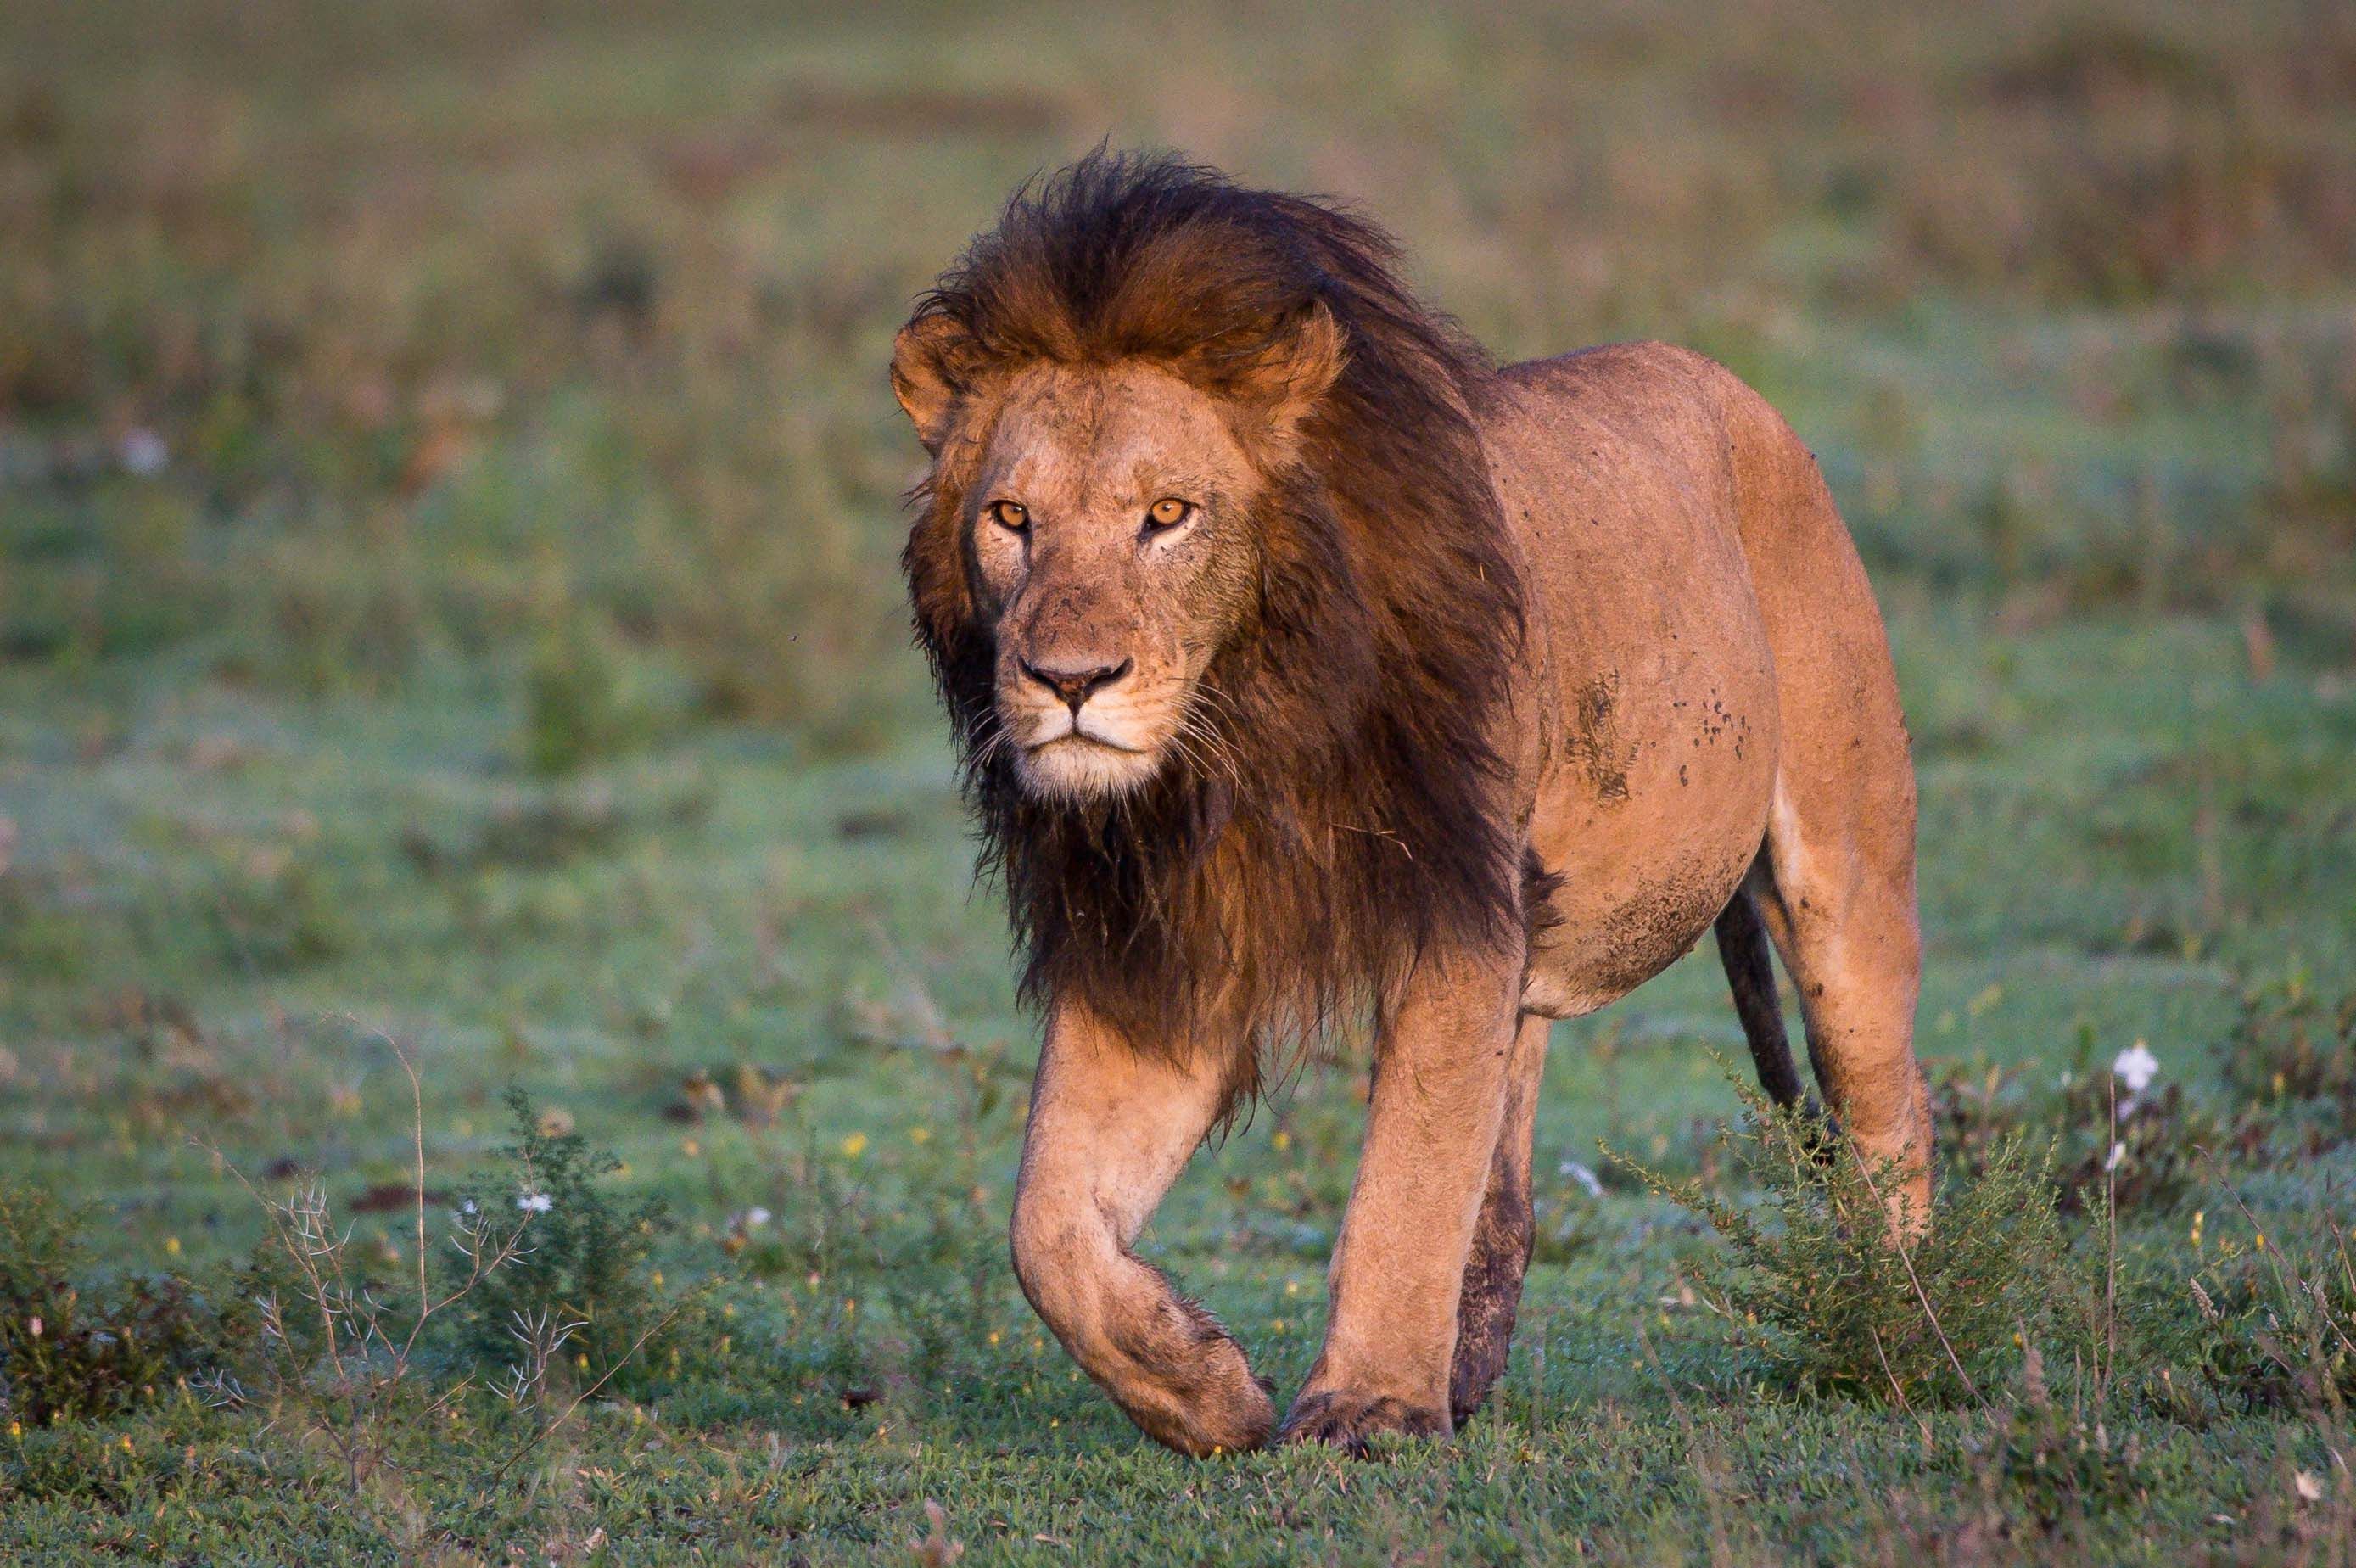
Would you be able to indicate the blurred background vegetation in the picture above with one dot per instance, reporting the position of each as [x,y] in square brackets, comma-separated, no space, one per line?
[347,344]
[449,510]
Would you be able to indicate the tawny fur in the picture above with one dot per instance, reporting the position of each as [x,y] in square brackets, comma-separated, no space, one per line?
[1453,700]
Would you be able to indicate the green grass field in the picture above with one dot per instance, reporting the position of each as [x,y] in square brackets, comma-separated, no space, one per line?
[449,501]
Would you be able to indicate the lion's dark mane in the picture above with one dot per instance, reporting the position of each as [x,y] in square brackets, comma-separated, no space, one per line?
[1364,817]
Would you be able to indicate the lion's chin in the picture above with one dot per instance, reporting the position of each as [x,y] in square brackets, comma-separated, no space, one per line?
[1080,767]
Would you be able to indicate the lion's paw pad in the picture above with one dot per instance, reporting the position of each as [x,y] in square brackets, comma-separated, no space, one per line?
[1353,1422]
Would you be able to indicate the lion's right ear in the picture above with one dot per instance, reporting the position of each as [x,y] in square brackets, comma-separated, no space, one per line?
[924,375]
[1292,380]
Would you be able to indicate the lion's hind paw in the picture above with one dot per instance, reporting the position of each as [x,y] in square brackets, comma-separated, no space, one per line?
[1354,1422]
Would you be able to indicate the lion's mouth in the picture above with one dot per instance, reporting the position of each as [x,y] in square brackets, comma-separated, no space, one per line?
[1084,763]
[1082,738]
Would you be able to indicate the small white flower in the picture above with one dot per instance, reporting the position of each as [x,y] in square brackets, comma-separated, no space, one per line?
[142,452]
[535,1203]
[1584,1176]
[2118,1152]
[2136,1067]
[466,1208]
[755,1216]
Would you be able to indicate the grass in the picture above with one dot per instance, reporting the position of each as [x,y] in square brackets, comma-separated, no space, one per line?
[448,503]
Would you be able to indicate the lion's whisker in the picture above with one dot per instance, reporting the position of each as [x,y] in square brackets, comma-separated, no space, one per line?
[982,755]
[1203,726]
[1202,750]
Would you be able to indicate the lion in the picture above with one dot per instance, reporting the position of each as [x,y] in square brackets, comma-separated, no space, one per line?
[1312,673]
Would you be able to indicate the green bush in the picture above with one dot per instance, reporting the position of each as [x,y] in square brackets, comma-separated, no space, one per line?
[75,1347]
[2292,1050]
[577,702]
[1811,1281]
[2056,1460]
[2278,1323]
[586,1257]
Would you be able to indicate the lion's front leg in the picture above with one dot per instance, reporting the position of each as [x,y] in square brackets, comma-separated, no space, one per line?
[1110,1128]
[1432,1124]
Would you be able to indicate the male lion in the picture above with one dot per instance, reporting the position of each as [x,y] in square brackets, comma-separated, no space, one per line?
[1311,670]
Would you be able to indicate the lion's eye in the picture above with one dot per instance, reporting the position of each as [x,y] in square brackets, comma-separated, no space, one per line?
[1010,516]
[1167,513]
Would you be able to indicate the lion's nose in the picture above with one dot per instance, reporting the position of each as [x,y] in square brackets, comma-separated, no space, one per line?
[1074,686]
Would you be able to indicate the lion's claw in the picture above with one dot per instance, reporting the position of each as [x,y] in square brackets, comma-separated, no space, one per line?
[1353,1422]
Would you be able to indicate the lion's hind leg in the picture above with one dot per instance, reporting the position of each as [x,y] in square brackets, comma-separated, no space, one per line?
[1110,1128]
[1503,1237]
[1842,914]
[1837,893]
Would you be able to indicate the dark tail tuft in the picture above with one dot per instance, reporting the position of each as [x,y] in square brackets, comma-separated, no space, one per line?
[1751,972]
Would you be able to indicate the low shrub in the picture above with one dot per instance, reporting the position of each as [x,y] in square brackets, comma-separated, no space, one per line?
[587,1261]
[76,1346]
[2293,1051]
[1810,1278]
[2058,1460]
[2278,1321]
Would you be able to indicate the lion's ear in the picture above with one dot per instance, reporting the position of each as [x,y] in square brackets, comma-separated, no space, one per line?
[924,375]
[1291,382]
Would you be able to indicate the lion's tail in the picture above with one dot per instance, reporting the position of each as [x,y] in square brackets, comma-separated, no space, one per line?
[1750,962]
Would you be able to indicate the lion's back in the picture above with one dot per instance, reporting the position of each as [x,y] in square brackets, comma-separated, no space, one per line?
[1618,466]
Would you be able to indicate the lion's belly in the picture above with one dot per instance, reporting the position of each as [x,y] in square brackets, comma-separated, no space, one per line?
[1653,809]
[1653,758]
[1642,875]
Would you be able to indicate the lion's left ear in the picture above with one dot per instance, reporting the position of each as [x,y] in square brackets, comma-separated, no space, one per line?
[1293,379]
[925,377]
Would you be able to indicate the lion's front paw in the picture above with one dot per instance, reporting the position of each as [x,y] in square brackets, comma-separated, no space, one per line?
[1353,1421]
[1203,1403]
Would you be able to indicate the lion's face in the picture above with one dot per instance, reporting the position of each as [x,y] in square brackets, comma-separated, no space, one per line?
[1108,522]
